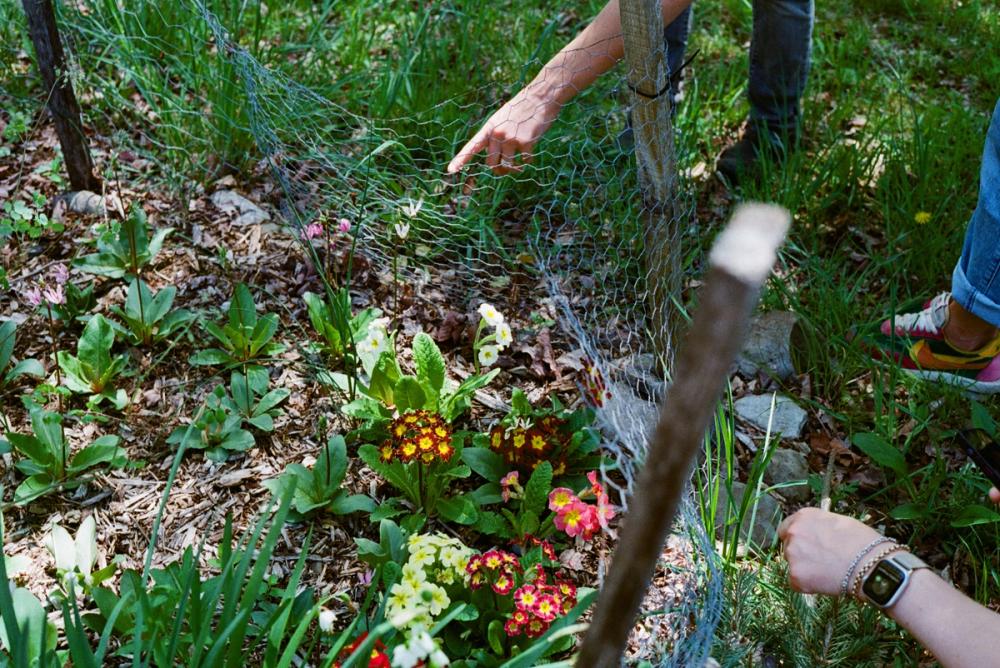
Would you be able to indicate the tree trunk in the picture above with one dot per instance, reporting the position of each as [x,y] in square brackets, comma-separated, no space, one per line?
[61,100]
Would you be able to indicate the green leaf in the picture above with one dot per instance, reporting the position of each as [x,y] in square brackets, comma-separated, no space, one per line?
[429,361]
[31,447]
[48,429]
[409,395]
[32,488]
[239,440]
[909,511]
[495,635]
[7,334]
[457,509]
[486,463]
[981,419]
[333,458]
[242,310]
[881,452]
[353,503]
[28,367]
[102,451]
[94,349]
[536,491]
[973,515]
[211,356]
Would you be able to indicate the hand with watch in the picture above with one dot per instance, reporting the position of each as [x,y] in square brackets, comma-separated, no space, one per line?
[837,555]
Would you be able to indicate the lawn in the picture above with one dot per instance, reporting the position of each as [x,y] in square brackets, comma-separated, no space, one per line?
[280,383]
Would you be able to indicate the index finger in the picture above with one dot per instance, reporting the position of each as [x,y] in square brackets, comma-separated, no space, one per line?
[472,147]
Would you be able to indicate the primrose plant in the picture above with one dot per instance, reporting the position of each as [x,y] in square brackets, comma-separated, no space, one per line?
[245,338]
[93,369]
[148,317]
[47,461]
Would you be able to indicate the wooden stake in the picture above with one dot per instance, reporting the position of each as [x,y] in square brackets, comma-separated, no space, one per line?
[739,262]
[652,129]
[62,102]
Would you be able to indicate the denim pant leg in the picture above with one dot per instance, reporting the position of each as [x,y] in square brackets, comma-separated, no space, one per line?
[676,37]
[779,61]
[975,283]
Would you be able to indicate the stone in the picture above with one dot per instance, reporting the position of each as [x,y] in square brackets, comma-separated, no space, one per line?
[768,348]
[247,213]
[787,466]
[764,530]
[789,418]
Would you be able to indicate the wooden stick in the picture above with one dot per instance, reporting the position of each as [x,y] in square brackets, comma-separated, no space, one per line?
[740,261]
[62,102]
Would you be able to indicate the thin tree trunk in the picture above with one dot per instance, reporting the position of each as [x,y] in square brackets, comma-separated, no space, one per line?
[62,102]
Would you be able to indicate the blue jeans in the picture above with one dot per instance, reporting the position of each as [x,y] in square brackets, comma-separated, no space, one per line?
[779,59]
[975,283]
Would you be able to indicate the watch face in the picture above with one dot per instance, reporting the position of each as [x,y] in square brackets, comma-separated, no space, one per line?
[883,583]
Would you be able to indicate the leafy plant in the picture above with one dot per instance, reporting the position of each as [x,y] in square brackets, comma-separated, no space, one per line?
[75,557]
[320,487]
[128,251]
[339,330]
[27,220]
[148,316]
[252,400]
[391,547]
[92,370]
[27,367]
[78,302]
[218,429]
[245,338]
[48,464]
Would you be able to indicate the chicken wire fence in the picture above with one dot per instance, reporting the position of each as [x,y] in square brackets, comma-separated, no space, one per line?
[571,226]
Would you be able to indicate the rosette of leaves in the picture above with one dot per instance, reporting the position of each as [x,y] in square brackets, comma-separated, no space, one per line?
[78,302]
[47,461]
[75,557]
[93,368]
[245,338]
[389,389]
[336,325]
[10,372]
[249,397]
[126,252]
[320,488]
[147,316]
[218,429]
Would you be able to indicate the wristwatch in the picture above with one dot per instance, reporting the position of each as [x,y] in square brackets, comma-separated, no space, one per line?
[887,582]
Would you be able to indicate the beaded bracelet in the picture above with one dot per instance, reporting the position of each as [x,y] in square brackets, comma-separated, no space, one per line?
[861,555]
[870,566]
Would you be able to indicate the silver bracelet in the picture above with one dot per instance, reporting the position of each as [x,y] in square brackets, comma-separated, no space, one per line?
[845,583]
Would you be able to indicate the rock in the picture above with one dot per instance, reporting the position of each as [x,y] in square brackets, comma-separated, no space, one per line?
[82,202]
[786,466]
[247,212]
[768,516]
[789,419]
[768,347]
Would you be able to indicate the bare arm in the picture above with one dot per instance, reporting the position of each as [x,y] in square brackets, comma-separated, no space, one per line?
[961,633]
[515,127]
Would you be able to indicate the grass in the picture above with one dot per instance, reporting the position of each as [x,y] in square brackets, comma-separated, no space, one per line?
[894,119]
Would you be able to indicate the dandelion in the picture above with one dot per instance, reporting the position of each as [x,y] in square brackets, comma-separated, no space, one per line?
[327,618]
[343,226]
[922,217]
[492,316]
[402,230]
[503,335]
[312,231]
[488,355]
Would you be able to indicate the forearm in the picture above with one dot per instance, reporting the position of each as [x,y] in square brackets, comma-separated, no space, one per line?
[958,631]
[594,51]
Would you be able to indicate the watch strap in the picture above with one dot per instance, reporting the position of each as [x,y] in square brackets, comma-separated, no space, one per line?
[908,560]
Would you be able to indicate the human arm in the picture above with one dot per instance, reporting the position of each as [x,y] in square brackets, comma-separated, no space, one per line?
[514,128]
[820,546]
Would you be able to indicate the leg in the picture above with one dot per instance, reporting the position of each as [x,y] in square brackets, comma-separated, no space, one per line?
[975,283]
[779,63]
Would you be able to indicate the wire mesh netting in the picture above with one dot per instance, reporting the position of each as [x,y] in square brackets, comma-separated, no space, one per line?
[572,225]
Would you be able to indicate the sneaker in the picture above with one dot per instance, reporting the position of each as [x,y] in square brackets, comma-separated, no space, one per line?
[741,160]
[917,343]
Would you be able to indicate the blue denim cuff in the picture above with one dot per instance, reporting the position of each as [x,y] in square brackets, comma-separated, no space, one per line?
[972,300]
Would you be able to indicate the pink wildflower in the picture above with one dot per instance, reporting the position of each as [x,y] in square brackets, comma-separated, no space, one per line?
[55,295]
[509,486]
[571,518]
[60,273]
[313,230]
[595,486]
[33,296]
[344,226]
[605,511]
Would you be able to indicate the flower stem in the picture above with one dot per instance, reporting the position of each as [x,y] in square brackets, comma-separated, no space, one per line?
[55,358]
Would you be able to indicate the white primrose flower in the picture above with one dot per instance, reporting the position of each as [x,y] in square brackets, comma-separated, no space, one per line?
[375,342]
[504,335]
[488,355]
[492,316]
[327,618]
